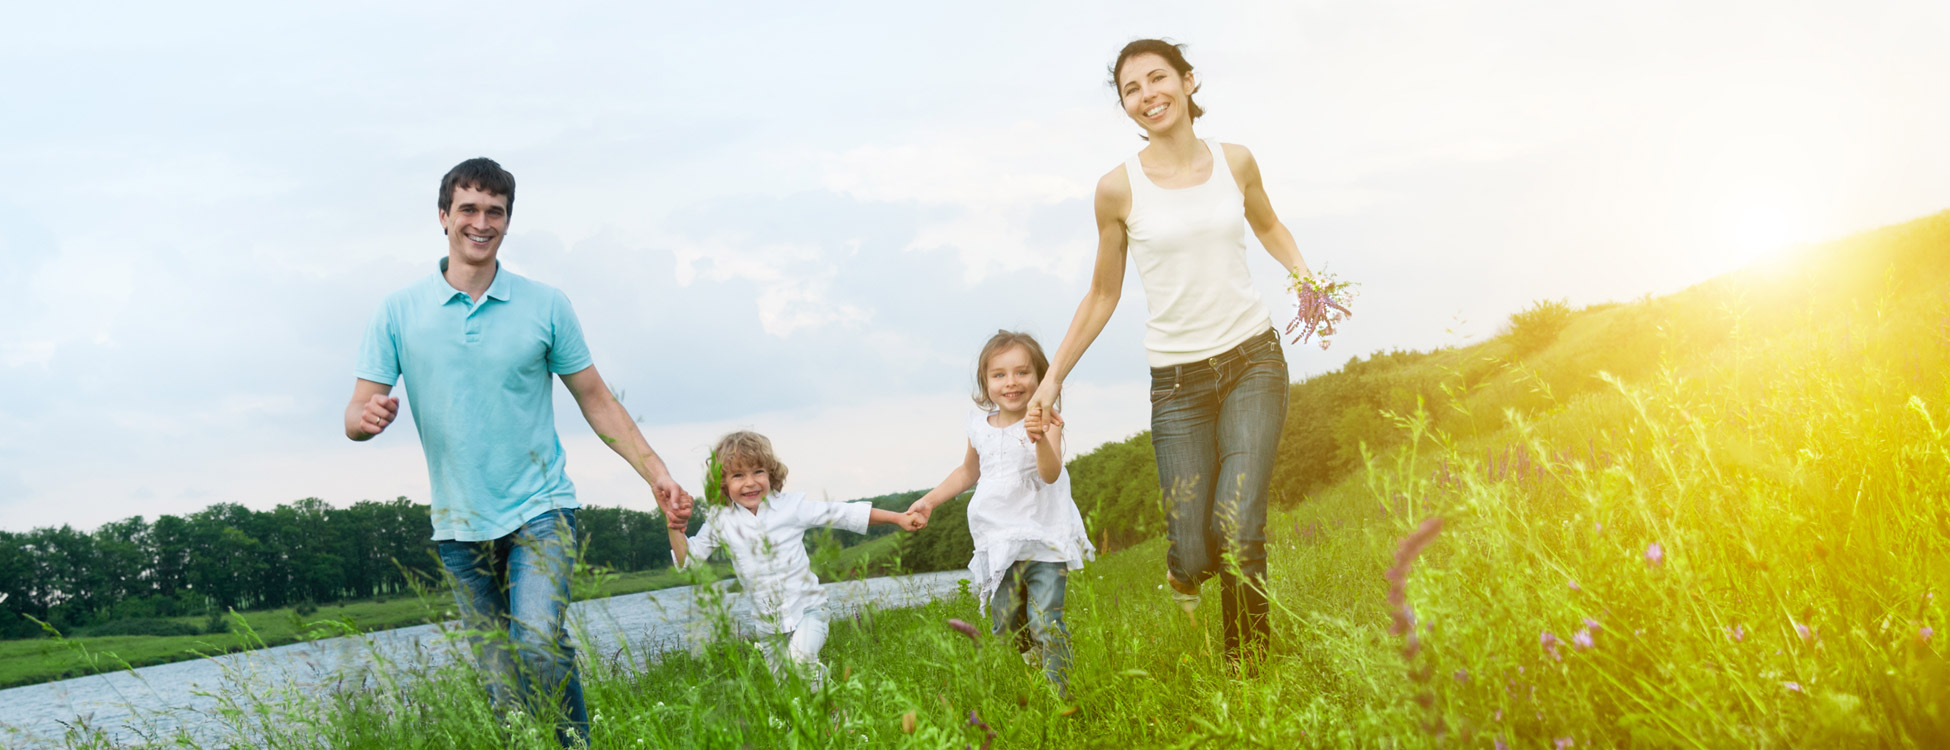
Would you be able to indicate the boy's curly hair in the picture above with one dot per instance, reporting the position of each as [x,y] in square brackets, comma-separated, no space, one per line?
[745,448]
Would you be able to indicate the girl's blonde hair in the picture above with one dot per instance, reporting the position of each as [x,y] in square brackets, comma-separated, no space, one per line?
[1002,341]
[747,448]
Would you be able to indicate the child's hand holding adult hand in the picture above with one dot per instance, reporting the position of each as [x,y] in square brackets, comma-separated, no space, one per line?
[675,502]
[921,510]
[911,522]
[1042,409]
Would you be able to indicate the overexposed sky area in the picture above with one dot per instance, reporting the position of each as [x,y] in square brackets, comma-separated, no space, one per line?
[805,218]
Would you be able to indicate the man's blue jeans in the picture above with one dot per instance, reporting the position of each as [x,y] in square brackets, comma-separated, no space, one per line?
[513,594]
[1215,427]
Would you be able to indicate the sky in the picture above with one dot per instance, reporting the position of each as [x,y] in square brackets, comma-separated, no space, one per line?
[805,219]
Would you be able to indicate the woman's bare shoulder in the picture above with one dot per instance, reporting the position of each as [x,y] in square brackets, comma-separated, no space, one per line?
[1114,188]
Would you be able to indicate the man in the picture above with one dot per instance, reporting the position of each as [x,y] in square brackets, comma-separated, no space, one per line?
[477,344]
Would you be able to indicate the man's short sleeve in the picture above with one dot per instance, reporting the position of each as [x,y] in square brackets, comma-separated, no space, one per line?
[567,352]
[379,351]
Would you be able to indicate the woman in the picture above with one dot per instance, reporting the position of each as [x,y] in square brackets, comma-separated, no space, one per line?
[1218,377]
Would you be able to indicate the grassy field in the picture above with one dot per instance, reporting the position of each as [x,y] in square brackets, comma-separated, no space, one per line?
[1715,519]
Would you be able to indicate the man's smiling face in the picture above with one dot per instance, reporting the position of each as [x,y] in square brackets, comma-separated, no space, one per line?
[475,223]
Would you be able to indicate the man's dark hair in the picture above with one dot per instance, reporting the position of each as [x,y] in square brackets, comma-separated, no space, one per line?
[479,173]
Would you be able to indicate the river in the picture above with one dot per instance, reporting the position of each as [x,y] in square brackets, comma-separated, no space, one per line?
[156,704]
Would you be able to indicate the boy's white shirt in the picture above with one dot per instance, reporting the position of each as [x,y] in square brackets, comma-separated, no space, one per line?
[768,551]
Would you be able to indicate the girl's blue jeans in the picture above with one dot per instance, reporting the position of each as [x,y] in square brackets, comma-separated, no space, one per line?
[1028,606]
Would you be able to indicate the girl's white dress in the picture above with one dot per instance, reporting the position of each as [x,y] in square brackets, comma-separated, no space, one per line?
[1014,514]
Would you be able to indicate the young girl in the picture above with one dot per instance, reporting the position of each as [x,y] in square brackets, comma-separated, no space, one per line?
[1028,533]
[764,532]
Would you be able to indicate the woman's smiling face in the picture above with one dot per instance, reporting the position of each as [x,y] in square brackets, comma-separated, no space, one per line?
[1153,93]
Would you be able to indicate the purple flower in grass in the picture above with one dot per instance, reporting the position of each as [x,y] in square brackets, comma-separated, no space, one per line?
[964,628]
[1655,555]
[1563,742]
[1582,640]
[1549,641]
[1737,633]
[1807,634]
[1926,633]
[1574,586]
[1794,686]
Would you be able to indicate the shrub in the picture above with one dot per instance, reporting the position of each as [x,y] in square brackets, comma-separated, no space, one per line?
[1535,327]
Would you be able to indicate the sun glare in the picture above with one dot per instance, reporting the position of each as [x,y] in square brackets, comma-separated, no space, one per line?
[1756,230]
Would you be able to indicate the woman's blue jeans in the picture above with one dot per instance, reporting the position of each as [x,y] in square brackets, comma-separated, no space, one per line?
[513,594]
[1215,426]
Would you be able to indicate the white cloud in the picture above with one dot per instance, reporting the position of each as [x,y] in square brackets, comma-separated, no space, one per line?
[991,179]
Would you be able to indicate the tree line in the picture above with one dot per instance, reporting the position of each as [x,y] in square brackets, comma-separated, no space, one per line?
[229,556]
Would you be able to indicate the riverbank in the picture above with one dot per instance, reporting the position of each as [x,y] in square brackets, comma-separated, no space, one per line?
[245,699]
[37,660]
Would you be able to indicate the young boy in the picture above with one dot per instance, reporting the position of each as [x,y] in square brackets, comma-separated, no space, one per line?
[764,532]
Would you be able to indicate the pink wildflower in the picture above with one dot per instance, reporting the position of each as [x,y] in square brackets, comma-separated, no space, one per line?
[1805,633]
[1655,555]
[1574,586]
[1736,633]
[1592,624]
[1926,633]
[1462,675]
[1582,640]
[1400,612]
[1549,641]
[964,628]
[1794,686]
[1501,745]
[1563,742]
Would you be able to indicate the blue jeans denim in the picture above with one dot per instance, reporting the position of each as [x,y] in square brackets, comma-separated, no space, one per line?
[513,594]
[1028,607]
[1215,427]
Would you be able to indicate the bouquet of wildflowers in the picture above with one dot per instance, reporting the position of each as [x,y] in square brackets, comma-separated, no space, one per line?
[1320,304]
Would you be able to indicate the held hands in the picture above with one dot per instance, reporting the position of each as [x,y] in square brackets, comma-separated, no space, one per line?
[1042,410]
[910,521]
[919,511]
[675,502]
[380,411]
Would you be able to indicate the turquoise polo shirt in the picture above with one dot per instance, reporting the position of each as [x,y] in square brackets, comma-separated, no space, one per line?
[477,376]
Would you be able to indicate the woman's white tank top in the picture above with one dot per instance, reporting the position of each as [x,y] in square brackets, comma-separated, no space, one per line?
[1189,245]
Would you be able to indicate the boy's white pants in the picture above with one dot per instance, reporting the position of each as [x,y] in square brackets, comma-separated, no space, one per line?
[798,650]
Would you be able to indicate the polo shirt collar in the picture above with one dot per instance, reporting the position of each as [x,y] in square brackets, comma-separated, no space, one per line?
[501,288]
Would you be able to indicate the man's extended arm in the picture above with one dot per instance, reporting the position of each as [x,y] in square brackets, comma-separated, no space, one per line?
[612,423]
